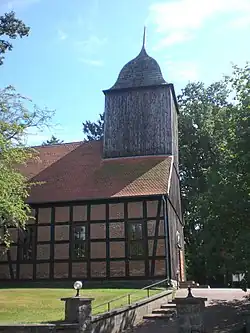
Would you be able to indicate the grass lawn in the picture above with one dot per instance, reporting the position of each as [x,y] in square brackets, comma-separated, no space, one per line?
[36,305]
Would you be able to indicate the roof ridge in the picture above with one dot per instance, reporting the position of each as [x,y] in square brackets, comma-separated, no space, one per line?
[64,144]
[135,157]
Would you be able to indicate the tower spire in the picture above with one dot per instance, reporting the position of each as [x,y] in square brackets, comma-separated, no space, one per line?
[144,37]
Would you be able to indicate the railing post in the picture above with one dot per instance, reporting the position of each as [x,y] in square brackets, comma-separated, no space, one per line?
[164,282]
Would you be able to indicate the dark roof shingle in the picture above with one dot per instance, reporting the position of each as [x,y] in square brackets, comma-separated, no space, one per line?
[141,71]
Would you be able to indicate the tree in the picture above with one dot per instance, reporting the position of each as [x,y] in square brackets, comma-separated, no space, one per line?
[52,141]
[10,28]
[17,116]
[214,133]
[237,176]
[94,130]
[200,134]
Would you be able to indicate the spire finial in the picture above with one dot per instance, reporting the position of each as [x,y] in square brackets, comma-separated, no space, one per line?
[144,37]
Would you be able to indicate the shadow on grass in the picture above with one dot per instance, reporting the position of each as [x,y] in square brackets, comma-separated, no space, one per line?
[68,284]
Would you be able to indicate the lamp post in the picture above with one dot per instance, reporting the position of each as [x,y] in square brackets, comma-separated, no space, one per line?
[78,309]
[189,292]
[77,286]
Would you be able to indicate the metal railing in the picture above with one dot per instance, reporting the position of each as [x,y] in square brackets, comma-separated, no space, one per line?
[128,297]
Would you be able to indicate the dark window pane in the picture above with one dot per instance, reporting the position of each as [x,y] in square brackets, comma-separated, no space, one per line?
[136,249]
[26,243]
[79,242]
[136,244]
[80,233]
[135,231]
[80,250]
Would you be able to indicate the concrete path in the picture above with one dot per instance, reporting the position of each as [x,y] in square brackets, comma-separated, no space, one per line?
[224,312]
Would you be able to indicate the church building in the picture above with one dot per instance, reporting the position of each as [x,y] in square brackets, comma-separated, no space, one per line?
[108,209]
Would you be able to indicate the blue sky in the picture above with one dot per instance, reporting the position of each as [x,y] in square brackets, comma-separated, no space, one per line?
[77,48]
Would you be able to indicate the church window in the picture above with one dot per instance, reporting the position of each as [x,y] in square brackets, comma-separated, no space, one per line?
[79,242]
[26,241]
[136,242]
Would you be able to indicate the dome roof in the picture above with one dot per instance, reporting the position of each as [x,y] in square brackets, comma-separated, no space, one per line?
[142,71]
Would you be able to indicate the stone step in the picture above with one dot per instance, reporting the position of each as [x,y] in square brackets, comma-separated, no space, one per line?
[155,316]
[164,311]
[168,306]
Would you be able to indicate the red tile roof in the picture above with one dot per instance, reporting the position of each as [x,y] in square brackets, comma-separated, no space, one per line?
[76,171]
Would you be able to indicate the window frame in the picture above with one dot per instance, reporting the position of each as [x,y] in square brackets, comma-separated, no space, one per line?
[24,249]
[139,241]
[79,243]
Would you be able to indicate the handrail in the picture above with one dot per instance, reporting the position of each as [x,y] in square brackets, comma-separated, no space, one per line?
[155,284]
[129,295]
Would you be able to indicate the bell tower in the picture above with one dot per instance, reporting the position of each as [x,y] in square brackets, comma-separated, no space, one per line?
[140,112]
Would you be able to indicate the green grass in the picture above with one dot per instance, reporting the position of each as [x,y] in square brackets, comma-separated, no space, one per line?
[36,305]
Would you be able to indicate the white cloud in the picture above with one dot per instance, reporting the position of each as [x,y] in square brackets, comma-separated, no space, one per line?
[241,22]
[174,38]
[86,21]
[80,22]
[81,34]
[16,4]
[178,20]
[92,62]
[62,35]
[89,48]
[180,71]
[90,45]
[189,72]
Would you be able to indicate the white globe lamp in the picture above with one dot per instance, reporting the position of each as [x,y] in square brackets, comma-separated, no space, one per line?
[77,286]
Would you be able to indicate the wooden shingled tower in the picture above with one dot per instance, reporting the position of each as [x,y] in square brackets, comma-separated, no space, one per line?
[141,112]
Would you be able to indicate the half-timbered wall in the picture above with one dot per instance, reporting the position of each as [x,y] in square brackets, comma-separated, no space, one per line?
[174,193]
[175,222]
[89,241]
[173,228]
